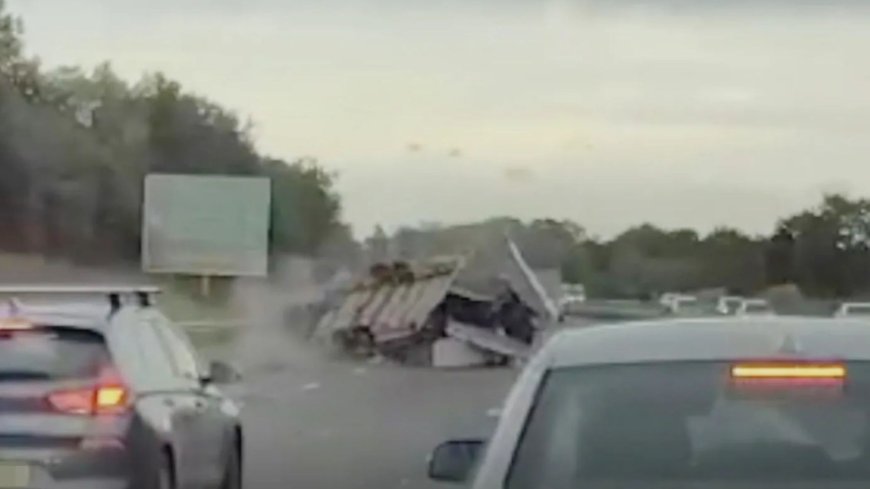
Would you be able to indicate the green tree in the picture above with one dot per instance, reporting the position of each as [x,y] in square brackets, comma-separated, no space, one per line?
[77,145]
[831,246]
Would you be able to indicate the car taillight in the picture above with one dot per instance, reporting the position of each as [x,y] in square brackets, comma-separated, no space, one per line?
[105,399]
[15,324]
[108,396]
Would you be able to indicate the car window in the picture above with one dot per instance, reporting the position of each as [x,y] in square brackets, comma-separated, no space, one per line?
[50,353]
[689,422]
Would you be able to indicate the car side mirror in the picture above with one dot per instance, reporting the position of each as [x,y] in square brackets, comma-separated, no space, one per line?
[454,460]
[222,373]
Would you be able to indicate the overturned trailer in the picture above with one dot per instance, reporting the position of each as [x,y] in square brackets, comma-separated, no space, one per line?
[447,311]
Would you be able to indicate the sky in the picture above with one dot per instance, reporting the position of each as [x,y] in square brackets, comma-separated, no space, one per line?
[699,113]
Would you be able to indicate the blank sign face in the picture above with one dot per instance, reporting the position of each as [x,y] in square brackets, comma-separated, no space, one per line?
[206,225]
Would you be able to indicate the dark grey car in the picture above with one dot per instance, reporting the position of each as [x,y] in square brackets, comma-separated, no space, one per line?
[110,396]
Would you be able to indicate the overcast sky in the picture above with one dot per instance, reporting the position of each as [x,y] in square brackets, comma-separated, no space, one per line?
[609,112]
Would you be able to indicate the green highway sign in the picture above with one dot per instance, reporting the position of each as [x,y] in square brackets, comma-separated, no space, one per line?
[206,225]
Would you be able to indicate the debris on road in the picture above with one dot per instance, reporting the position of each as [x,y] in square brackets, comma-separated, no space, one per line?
[445,312]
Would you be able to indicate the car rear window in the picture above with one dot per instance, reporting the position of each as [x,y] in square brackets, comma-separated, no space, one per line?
[50,353]
[691,423]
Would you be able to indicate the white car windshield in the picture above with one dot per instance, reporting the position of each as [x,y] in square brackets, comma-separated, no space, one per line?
[689,423]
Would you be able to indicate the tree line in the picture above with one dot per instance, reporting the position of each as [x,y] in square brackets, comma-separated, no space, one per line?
[824,250]
[76,145]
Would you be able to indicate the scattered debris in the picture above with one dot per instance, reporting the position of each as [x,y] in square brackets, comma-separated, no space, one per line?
[450,352]
[445,312]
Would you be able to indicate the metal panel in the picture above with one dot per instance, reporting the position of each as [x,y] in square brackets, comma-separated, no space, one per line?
[345,316]
[487,340]
[393,311]
[412,307]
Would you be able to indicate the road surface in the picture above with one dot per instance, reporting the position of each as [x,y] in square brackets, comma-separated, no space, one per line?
[313,422]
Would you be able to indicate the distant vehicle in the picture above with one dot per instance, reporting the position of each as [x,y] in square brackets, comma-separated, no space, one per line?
[678,303]
[110,395]
[574,295]
[853,309]
[727,305]
[755,307]
[645,405]
[668,298]
[574,292]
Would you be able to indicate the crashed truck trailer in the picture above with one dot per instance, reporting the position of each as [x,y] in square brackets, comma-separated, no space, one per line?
[418,313]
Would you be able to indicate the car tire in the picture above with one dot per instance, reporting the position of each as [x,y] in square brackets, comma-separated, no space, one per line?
[233,475]
[165,474]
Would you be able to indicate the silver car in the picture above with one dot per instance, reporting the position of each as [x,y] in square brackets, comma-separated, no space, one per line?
[109,395]
[853,309]
[755,307]
[682,404]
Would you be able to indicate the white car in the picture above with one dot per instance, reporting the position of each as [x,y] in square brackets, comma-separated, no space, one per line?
[755,307]
[573,298]
[675,303]
[682,304]
[853,309]
[728,305]
[668,298]
[688,403]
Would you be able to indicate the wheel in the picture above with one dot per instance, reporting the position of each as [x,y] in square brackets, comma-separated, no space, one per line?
[165,476]
[233,475]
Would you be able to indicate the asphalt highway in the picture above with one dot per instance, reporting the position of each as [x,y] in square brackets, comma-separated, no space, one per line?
[313,421]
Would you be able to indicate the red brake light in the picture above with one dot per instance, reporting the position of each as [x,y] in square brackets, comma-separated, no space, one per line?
[15,324]
[78,401]
[109,396]
[90,401]
[787,375]
[782,371]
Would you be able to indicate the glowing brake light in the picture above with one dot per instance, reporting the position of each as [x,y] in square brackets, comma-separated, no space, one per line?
[90,401]
[789,371]
[109,396]
[13,324]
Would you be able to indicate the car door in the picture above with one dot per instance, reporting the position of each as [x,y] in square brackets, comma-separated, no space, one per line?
[191,465]
[168,400]
[209,425]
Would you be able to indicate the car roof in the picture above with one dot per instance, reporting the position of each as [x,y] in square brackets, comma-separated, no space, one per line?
[89,316]
[710,339]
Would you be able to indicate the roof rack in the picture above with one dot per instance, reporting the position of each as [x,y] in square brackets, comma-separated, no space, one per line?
[113,293]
